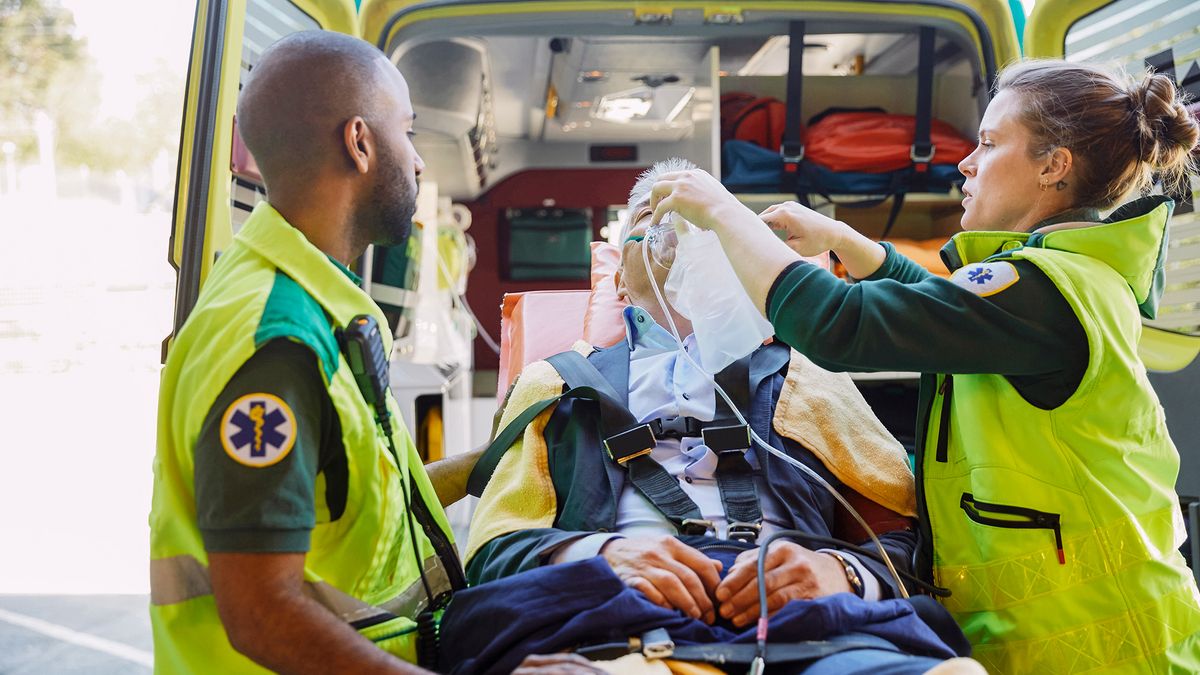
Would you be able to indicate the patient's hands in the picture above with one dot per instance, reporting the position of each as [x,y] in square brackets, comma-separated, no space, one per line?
[669,573]
[792,573]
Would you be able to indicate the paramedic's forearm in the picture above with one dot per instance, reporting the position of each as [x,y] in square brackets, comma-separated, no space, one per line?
[449,476]
[757,255]
[861,256]
[269,619]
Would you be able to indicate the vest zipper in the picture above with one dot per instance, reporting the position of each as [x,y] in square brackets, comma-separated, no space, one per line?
[1033,519]
[946,391]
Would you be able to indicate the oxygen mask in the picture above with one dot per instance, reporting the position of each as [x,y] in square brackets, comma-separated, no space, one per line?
[662,240]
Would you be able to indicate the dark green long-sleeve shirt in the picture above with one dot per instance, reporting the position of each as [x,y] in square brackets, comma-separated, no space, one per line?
[904,318]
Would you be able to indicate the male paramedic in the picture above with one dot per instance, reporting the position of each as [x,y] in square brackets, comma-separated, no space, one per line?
[681,524]
[282,536]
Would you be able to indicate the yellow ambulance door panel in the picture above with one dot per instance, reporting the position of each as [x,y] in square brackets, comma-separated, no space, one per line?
[211,202]
[1137,35]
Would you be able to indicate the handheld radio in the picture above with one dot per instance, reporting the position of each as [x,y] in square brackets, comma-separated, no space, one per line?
[362,343]
[369,365]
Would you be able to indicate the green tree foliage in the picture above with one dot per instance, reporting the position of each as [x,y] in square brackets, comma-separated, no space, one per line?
[38,47]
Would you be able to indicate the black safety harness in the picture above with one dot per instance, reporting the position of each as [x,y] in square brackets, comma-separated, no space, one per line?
[629,443]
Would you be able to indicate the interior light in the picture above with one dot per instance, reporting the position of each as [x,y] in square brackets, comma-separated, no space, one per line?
[624,107]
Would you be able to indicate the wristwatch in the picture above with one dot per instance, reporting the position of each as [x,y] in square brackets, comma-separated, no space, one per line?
[852,577]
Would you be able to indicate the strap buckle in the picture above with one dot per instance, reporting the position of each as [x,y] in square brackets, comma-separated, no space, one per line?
[792,154]
[746,532]
[675,427]
[724,439]
[631,444]
[657,644]
[696,526]
[921,153]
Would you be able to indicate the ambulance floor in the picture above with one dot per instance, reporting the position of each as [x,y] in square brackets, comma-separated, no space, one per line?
[74,634]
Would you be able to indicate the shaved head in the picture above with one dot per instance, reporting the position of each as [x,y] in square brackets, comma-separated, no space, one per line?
[325,106]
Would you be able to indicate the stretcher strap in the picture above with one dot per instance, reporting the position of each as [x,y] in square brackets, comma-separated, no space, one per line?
[735,476]
[792,150]
[922,149]
[647,475]
[734,653]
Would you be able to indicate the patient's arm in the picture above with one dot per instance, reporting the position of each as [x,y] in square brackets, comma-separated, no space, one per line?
[513,528]
[449,476]
[895,532]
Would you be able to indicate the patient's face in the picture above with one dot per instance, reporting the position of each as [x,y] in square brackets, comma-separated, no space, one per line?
[633,281]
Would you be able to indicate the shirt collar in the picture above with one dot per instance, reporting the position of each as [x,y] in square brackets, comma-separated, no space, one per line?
[642,332]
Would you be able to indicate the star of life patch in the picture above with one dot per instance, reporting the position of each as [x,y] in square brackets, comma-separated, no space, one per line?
[258,430]
[986,278]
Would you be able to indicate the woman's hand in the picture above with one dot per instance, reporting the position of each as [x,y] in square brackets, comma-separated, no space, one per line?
[808,233]
[811,233]
[696,196]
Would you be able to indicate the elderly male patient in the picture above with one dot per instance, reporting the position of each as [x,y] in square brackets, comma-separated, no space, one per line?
[680,526]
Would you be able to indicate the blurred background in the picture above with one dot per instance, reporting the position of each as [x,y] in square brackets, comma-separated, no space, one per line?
[91,97]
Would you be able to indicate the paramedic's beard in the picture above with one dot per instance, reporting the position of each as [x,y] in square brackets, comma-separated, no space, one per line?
[386,217]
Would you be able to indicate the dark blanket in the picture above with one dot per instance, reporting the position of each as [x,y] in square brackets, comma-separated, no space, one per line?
[490,628]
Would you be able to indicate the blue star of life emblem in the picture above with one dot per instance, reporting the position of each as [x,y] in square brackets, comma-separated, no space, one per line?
[980,275]
[258,430]
[985,279]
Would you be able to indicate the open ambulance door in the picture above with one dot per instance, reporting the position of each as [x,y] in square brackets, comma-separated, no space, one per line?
[1139,34]
[217,184]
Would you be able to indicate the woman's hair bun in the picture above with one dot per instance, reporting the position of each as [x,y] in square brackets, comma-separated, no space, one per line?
[1168,131]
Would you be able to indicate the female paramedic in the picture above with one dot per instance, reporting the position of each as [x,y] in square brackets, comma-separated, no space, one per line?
[1046,474]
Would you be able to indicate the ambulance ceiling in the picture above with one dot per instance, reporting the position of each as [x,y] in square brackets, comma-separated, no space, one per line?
[585,71]
[491,91]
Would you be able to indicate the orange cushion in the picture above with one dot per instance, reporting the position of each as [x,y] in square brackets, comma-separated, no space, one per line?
[535,325]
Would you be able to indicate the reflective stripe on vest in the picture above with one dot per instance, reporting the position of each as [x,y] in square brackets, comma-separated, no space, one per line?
[1112,642]
[999,584]
[182,577]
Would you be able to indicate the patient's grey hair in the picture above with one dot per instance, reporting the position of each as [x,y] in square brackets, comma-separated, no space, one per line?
[639,196]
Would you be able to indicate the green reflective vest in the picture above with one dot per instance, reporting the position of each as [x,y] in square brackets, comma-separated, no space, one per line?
[360,566]
[1057,530]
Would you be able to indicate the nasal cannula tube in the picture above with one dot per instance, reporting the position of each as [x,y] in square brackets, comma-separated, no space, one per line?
[887,560]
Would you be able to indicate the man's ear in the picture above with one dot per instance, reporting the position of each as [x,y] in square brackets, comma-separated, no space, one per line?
[619,280]
[359,143]
[1057,167]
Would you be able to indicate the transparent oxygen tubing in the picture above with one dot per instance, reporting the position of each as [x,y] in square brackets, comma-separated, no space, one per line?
[662,303]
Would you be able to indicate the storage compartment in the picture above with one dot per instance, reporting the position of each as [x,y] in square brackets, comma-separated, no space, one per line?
[549,244]
[450,85]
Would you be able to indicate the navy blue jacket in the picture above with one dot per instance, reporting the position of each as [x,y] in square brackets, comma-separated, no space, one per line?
[587,504]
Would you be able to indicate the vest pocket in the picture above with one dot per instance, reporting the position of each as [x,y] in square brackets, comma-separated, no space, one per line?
[1014,517]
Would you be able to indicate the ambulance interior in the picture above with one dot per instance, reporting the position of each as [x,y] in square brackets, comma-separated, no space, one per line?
[540,131]
[533,125]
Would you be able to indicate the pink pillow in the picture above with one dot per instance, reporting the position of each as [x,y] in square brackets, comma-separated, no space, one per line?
[602,325]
